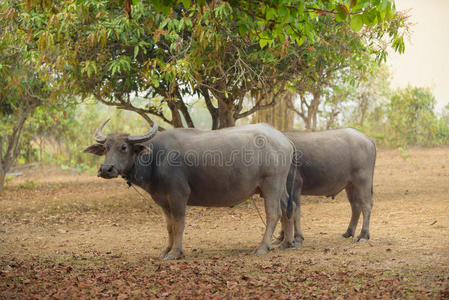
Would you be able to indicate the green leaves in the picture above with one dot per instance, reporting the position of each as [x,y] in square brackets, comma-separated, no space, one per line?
[270,13]
[352,3]
[398,44]
[223,10]
[342,13]
[263,43]
[89,68]
[123,64]
[370,17]
[164,6]
[186,3]
[136,51]
[356,23]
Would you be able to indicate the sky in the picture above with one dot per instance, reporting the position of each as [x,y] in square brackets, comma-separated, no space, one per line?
[426,58]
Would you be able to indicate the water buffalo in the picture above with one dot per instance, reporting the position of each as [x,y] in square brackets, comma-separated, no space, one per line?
[182,167]
[328,162]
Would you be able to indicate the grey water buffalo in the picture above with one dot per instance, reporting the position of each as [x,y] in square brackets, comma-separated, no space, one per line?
[328,162]
[182,167]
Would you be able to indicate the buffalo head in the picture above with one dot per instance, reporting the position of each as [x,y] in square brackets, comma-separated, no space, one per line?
[121,150]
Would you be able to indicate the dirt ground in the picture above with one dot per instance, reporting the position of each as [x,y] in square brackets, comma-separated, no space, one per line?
[69,235]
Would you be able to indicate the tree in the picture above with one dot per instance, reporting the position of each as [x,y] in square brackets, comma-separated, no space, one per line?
[411,118]
[280,115]
[327,64]
[351,99]
[21,86]
[150,56]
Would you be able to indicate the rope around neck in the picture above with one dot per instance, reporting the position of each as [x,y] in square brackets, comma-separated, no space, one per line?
[138,192]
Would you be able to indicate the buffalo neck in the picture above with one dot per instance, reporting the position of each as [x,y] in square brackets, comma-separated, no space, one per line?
[140,174]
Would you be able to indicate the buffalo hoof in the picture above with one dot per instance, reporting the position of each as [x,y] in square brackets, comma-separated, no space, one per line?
[164,253]
[262,250]
[277,241]
[299,238]
[286,245]
[174,255]
[297,243]
[363,237]
[347,234]
[361,240]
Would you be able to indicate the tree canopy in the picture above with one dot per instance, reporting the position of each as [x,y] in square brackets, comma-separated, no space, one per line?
[152,56]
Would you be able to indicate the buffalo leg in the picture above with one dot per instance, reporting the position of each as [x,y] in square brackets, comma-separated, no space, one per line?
[287,224]
[168,219]
[299,237]
[354,200]
[272,197]
[178,230]
[279,239]
[366,204]
[177,204]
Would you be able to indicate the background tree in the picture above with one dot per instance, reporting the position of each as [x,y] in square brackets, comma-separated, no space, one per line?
[412,120]
[329,62]
[22,87]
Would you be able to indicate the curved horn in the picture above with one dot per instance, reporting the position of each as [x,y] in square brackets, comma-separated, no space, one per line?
[98,136]
[134,139]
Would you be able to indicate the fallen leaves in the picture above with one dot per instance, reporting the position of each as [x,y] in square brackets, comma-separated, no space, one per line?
[101,276]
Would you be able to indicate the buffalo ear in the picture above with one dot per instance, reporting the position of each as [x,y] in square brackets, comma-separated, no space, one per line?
[96,149]
[139,148]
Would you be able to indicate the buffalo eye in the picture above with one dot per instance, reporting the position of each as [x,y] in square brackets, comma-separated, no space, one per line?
[124,148]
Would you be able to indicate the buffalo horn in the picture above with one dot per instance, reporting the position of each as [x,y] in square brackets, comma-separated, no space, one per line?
[134,139]
[98,136]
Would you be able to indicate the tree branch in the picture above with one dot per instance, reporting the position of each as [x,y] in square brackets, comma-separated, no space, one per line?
[255,108]
[128,106]
[184,110]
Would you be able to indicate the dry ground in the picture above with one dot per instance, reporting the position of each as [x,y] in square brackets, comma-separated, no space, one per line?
[66,235]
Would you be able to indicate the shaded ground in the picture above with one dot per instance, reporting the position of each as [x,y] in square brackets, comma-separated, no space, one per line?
[69,235]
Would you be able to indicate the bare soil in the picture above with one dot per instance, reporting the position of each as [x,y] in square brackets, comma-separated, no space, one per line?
[68,235]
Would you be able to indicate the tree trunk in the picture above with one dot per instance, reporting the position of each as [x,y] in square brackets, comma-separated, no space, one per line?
[12,151]
[225,114]
[211,108]
[290,97]
[183,108]
[279,115]
[2,178]
[41,146]
[186,114]
[176,119]
[308,122]
[313,110]
[363,109]
[2,173]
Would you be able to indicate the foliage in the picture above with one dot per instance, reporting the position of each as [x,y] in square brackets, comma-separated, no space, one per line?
[273,22]
[412,120]
[59,134]
[334,62]
[403,152]
[22,87]
[27,185]
[359,96]
[152,57]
